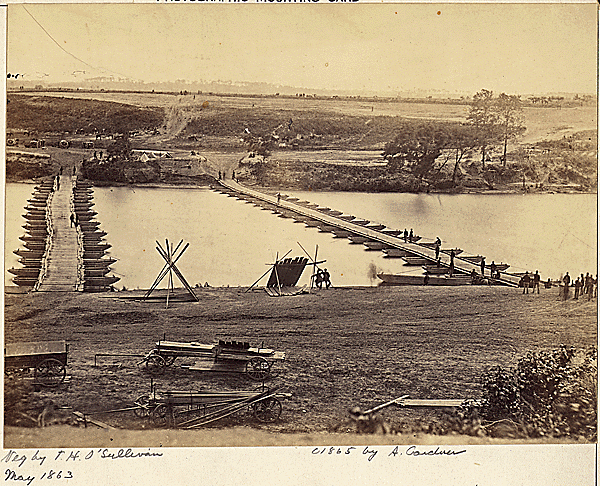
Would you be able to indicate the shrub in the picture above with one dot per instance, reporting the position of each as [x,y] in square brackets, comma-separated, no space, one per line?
[549,393]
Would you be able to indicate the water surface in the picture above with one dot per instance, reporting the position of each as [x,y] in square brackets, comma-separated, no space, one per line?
[233,243]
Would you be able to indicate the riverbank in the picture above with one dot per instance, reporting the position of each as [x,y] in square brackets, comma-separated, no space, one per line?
[346,347]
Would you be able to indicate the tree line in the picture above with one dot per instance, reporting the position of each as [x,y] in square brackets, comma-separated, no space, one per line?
[491,121]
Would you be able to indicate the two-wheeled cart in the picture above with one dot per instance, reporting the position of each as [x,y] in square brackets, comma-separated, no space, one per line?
[257,363]
[48,359]
[190,409]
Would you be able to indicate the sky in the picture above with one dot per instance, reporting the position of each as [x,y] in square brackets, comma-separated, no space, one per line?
[388,47]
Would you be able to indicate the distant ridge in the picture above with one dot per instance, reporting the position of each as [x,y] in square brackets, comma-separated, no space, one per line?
[251,88]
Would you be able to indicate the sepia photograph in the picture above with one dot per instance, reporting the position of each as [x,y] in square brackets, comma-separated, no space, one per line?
[347,229]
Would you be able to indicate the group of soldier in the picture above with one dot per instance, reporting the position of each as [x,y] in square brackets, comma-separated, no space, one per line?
[322,277]
[587,285]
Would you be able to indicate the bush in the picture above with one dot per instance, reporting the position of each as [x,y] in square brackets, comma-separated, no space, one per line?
[549,393]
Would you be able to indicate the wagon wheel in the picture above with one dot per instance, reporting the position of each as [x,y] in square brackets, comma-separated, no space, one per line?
[268,410]
[258,368]
[169,360]
[50,372]
[160,415]
[156,364]
[143,410]
[275,369]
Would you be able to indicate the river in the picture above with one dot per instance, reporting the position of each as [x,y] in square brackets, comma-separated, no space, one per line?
[232,243]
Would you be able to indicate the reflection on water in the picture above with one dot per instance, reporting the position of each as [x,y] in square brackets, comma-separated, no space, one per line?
[232,242]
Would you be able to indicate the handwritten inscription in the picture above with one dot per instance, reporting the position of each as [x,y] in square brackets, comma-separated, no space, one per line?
[370,453]
[126,454]
[413,451]
[20,463]
[11,475]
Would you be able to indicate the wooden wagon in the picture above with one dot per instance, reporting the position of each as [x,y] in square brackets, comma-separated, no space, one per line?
[189,409]
[48,359]
[225,356]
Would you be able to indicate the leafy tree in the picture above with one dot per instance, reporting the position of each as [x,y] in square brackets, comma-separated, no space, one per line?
[483,117]
[497,120]
[509,112]
[416,147]
[461,142]
[120,147]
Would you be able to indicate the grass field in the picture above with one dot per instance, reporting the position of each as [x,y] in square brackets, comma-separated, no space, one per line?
[345,347]
[541,123]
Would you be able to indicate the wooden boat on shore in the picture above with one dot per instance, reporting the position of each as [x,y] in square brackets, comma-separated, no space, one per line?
[416,260]
[399,279]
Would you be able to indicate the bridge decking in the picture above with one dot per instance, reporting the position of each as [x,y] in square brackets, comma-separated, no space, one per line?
[62,267]
[392,241]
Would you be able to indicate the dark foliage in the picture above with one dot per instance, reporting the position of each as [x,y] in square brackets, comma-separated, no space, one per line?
[306,128]
[416,147]
[58,115]
[550,393]
[25,168]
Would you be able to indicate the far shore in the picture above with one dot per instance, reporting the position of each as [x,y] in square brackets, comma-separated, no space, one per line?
[558,189]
